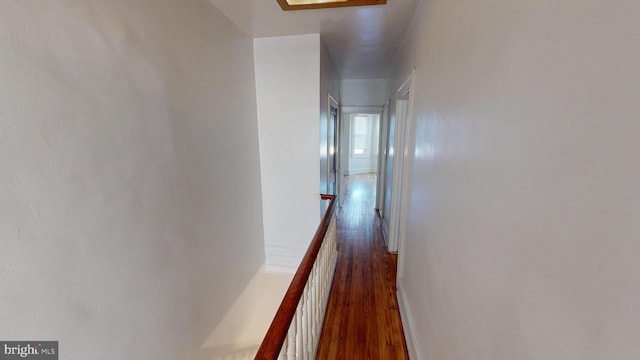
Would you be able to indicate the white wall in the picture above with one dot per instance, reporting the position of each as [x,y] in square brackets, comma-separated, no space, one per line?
[130,214]
[523,232]
[288,88]
[241,332]
[363,92]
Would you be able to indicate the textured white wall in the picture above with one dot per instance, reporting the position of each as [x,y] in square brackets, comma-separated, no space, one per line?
[288,89]
[523,232]
[130,214]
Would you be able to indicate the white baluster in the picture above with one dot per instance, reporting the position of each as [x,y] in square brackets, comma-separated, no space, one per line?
[319,304]
[314,310]
[291,341]
[305,325]
[283,350]
[299,336]
[323,277]
[309,322]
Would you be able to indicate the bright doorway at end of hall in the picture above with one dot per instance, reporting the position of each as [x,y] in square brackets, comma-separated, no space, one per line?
[362,132]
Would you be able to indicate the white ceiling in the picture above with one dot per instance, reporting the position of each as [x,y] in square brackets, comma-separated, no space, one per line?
[362,40]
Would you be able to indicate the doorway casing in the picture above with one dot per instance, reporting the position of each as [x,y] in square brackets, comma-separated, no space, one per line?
[334,171]
[403,149]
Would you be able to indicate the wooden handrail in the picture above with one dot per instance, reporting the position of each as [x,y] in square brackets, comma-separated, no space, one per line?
[277,333]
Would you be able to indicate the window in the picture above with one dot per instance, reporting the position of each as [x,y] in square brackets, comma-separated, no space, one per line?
[364,135]
[359,135]
[375,130]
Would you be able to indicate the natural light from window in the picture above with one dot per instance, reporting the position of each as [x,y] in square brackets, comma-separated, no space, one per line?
[364,135]
[359,134]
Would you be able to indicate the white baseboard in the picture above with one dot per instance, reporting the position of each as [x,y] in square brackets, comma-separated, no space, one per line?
[407,325]
[361,171]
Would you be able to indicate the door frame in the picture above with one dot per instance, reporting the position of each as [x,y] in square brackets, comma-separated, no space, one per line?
[403,143]
[345,131]
[333,103]
[383,152]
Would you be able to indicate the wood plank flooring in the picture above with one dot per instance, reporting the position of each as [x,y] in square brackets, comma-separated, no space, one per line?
[362,319]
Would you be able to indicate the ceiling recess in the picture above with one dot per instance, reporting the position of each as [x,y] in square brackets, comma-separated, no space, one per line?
[323,4]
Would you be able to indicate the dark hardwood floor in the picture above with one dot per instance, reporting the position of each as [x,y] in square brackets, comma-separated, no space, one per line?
[362,319]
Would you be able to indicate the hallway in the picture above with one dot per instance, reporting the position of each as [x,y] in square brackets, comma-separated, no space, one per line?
[362,319]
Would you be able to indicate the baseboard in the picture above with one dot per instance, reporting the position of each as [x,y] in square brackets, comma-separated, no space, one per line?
[361,171]
[407,325]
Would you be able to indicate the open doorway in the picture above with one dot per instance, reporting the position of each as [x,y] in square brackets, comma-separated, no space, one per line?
[403,143]
[363,143]
[360,133]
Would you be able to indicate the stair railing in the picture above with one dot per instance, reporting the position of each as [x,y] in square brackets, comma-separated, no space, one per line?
[295,329]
